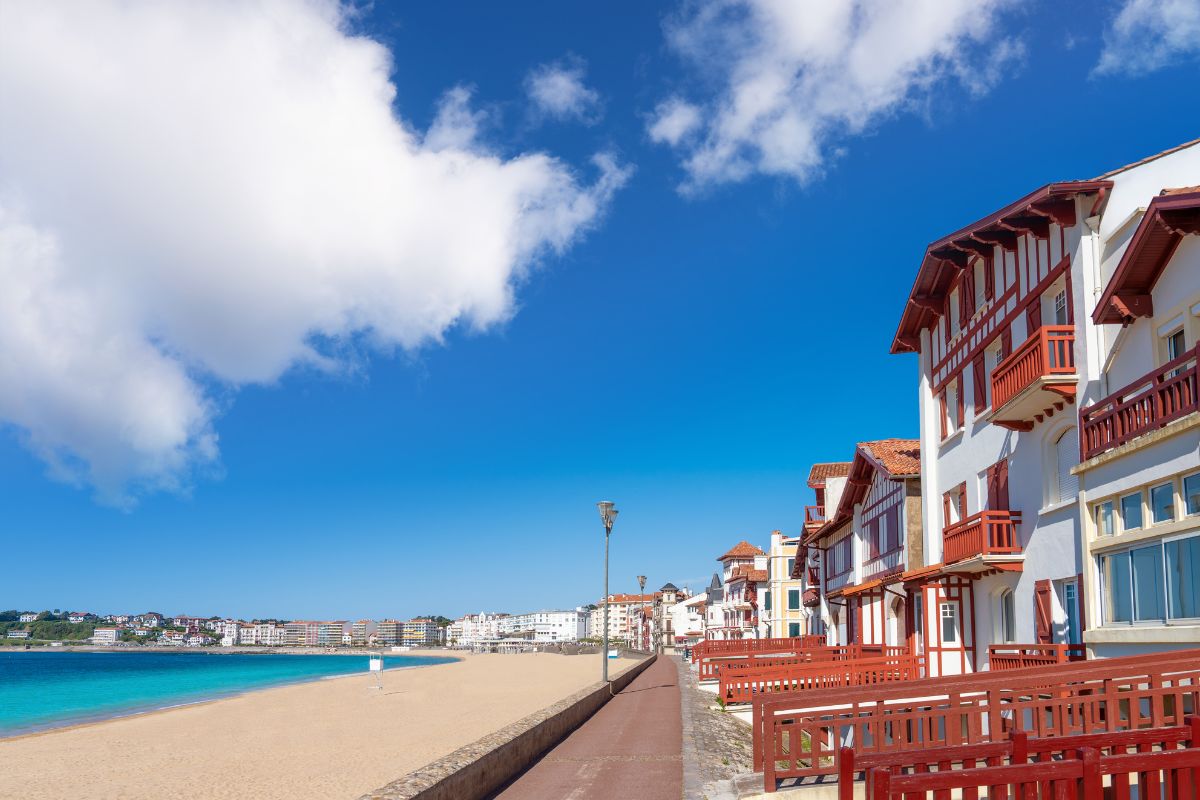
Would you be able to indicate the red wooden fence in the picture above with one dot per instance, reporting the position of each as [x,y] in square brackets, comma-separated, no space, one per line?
[742,684]
[1017,656]
[1157,398]
[712,647]
[710,667]
[799,735]
[1015,751]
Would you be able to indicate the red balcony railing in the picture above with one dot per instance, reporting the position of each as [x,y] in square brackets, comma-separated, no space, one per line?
[1149,403]
[814,515]
[1050,351]
[1019,656]
[987,533]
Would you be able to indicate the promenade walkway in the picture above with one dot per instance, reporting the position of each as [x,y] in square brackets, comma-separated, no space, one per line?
[631,748]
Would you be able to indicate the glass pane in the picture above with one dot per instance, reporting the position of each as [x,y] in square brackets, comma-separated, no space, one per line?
[1183,577]
[793,629]
[1162,502]
[949,623]
[1148,583]
[1131,512]
[1191,493]
[1071,602]
[1120,593]
[793,599]
[1008,614]
[766,601]
[1104,519]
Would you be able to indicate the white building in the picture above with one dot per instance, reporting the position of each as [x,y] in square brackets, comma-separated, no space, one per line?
[735,615]
[547,626]
[28,617]
[475,628]
[1140,477]
[18,634]
[687,620]
[1001,316]
[105,636]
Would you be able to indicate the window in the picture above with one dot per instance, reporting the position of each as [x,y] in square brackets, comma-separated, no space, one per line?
[1162,502]
[793,599]
[1008,617]
[982,267]
[1183,565]
[953,419]
[1104,519]
[1118,589]
[1131,512]
[1060,308]
[1066,452]
[1191,494]
[1174,344]
[791,564]
[954,314]
[949,623]
[767,601]
[793,629]
[1147,565]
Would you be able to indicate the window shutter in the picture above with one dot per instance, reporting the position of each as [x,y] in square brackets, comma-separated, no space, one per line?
[946,510]
[1079,599]
[979,371]
[1067,452]
[989,279]
[962,501]
[1033,316]
[958,397]
[1006,343]
[1002,485]
[966,296]
[1043,619]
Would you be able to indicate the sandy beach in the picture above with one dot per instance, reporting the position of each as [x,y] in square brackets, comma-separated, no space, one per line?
[329,739]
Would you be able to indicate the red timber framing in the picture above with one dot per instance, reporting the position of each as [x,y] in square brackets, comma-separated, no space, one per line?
[1025,249]
[948,607]
[800,736]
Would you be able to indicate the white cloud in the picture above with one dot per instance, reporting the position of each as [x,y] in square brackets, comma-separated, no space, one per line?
[673,119]
[197,196]
[1150,34]
[558,91]
[794,78]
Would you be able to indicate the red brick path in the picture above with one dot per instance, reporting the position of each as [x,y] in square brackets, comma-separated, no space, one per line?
[631,748]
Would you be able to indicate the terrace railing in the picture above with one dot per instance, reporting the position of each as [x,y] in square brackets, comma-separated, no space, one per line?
[741,646]
[814,515]
[1049,351]
[986,533]
[711,666]
[1018,656]
[1017,751]
[742,684]
[1149,403]
[800,735]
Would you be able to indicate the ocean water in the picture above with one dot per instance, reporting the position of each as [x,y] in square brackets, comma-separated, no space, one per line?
[44,689]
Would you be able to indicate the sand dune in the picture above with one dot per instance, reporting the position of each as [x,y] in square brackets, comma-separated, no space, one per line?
[329,739]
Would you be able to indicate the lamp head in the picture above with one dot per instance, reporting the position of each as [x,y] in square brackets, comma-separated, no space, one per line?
[608,513]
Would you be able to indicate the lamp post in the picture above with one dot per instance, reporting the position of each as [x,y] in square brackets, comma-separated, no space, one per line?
[641,579]
[608,515]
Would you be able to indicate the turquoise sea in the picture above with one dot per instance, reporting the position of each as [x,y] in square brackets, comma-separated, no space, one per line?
[45,689]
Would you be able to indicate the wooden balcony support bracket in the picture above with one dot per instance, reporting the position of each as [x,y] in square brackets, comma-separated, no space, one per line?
[1036,225]
[1130,306]
[1018,425]
[1003,236]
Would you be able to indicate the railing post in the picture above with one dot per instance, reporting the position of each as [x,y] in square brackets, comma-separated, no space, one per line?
[1092,782]
[846,773]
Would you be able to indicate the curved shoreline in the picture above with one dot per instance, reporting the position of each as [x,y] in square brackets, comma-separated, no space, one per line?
[92,720]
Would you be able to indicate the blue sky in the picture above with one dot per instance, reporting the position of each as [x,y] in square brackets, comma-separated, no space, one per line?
[688,351]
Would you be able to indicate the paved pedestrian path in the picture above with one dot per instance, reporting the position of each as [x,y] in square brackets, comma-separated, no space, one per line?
[631,748]
[717,763]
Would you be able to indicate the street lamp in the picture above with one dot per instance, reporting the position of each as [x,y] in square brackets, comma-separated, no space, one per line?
[641,579]
[608,515]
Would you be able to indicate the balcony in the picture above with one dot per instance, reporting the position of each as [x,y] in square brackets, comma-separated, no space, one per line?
[814,516]
[1036,379]
[1149,403]
[988,540]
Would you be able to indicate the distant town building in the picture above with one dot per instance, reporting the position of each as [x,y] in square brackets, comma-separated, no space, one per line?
[363,632]
[622,608]
[390,632]
[105,636]
[547,626]
[81,616]
[420,632]
[29,616]
[329,634]
[18,634]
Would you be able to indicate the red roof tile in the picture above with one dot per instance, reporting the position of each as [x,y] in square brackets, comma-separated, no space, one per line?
[900,457]
[742,549]
[833,469]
